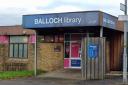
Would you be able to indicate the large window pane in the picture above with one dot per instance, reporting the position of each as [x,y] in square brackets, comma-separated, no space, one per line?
[15,50]
[67,37]
[11,50]
[18,39]
[25,50]
[67,50]
[20,50]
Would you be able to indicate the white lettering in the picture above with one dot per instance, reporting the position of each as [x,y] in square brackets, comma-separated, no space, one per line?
[79,20]
[108,21]
[51,20]
[57,20]
[72,20]
[39,21]
[36,21]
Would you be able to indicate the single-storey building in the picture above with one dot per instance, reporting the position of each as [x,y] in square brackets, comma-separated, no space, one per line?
[88,40]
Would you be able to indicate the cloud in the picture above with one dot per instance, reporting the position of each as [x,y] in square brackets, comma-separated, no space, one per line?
[66,8]
[13,20]
[24,3]
[14,9]
[110,6]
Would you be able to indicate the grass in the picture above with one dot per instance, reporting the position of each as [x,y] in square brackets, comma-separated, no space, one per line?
[15,74]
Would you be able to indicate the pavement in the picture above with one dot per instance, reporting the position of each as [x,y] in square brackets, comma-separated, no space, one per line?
[62,77]
[73,77]
[63,74]
[53,81]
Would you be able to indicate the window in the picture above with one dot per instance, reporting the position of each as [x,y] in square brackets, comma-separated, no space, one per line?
[51,38]
[18,47]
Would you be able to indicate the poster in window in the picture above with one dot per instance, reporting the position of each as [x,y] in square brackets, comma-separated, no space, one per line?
[75,48]
[75,63]
[66,63]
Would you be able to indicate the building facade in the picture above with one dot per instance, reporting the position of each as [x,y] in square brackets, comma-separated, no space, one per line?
[90,41]
[77,40]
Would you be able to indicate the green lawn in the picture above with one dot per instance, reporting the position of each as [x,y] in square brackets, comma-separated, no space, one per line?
[15,74]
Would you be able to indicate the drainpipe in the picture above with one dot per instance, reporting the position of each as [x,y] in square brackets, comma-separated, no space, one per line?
[35,56]
[101,32]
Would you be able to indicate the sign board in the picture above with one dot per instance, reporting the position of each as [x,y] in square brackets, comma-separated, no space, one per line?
[92,50]
[70,19]
[109,21]
[123,17]
[122,7]
[61,20]
[75,63]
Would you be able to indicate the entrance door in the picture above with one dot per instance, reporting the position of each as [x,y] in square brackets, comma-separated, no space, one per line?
[72,57]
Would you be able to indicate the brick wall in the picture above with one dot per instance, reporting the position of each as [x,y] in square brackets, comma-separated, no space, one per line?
[6,62]
[50,56]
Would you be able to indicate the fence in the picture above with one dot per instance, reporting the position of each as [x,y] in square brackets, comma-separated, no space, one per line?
[14,66]
[93,58]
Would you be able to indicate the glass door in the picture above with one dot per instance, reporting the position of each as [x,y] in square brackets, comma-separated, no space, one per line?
[72,57]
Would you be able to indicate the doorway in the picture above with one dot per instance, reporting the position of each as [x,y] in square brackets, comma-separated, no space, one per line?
[72,50]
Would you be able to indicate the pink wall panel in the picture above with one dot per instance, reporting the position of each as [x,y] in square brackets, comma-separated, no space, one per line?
[66,63]
[4,39]
[32,39]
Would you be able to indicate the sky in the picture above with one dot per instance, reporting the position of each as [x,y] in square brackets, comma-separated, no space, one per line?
[11,11]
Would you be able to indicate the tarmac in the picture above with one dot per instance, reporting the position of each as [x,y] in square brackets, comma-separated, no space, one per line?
[74,77]
[63,74]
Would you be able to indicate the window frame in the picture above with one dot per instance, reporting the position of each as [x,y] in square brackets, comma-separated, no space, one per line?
[23,45]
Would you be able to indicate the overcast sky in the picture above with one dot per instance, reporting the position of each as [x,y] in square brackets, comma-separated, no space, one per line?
[11,11]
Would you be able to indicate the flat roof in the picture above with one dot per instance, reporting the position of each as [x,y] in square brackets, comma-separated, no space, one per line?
[15,30]
[71,19]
